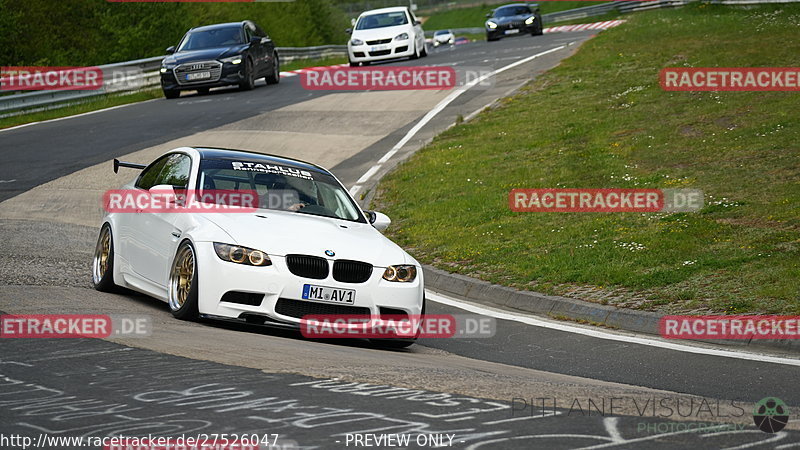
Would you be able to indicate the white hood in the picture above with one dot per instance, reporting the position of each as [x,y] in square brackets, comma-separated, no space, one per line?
[279,233]
[382,33]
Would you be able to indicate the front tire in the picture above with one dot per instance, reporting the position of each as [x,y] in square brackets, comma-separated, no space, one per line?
[275,76]
[424,51]
[249,81]
[171,93]
[103,261]
[182,294]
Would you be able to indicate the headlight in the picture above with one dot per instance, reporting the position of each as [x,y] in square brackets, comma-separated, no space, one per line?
[355,42]
[401,37]
[241,255]
[232,60]
[401,273]
[491,24]
[530,20]
[163,70]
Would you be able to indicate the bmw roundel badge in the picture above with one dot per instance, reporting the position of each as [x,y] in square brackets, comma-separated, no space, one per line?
[330,253]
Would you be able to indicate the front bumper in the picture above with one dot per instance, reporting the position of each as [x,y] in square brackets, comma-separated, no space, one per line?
[511,30]
[231,74]
[377,52]
[272,284]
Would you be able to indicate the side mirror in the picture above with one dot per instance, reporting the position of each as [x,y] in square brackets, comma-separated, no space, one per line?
[488,15]
[417,22]
[349,31]
[379,220]
[165,194]
[170,50]
[255,40]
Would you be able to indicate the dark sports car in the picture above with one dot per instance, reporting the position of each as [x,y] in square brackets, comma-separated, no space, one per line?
[513,19]
[224,54]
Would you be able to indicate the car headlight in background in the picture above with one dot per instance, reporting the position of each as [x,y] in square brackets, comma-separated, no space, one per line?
[355,42]
[233,59]
[528,21]
[401,37]
[241,255]
[491,24]
[163,70]
[402,273]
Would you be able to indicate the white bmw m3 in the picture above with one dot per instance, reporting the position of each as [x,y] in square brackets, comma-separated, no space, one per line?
[304,247]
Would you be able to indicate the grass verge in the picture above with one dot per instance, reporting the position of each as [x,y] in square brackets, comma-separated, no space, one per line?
[600,119]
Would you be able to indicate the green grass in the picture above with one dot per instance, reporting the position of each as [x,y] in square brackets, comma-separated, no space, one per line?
[600,119]
[476,16]
[108,101]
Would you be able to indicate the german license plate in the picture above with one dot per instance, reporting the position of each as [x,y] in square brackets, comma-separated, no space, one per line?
[377,48]
[198,76]
[512,31]
[329,294]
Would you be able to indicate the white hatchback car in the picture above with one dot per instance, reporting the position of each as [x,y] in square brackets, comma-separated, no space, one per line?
[386,33]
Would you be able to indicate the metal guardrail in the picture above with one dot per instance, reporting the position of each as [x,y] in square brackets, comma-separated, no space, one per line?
[131,76]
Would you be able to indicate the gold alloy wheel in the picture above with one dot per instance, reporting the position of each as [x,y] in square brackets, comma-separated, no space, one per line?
[102,254]
[181,277]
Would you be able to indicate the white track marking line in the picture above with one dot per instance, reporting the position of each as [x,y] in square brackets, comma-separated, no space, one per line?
[436,110]
[76,115]
[600,334]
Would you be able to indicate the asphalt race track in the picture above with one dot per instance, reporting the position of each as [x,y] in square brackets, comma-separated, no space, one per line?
[525,387]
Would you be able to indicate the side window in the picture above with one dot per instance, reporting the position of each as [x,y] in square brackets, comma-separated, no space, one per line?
[249,32]
[149,176]
[176,171]
[171,169]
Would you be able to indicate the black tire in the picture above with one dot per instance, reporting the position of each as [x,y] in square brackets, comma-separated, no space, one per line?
[182,299]
[399,343]
[103,261]
[249,81]
[415,54]
[275,76]
[352,64]
[203,91]
[492,39]
[424,51]
[171,93]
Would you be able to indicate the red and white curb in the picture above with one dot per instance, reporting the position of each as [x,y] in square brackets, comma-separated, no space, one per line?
[585,26]
[294,73]
[563,28]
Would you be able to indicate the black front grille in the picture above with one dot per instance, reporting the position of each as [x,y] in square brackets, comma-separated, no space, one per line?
[380,53]
[393,314]
[300,308]
[379,41]
[348,271]
[308,266]
[401,49]
[243,298]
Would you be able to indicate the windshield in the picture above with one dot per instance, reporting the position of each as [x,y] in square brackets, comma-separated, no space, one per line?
[280,187]
[389,19]
[220,37]
[439,33]
[511,11]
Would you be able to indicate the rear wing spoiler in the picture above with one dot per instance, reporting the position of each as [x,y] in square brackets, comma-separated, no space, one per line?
[118,164]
